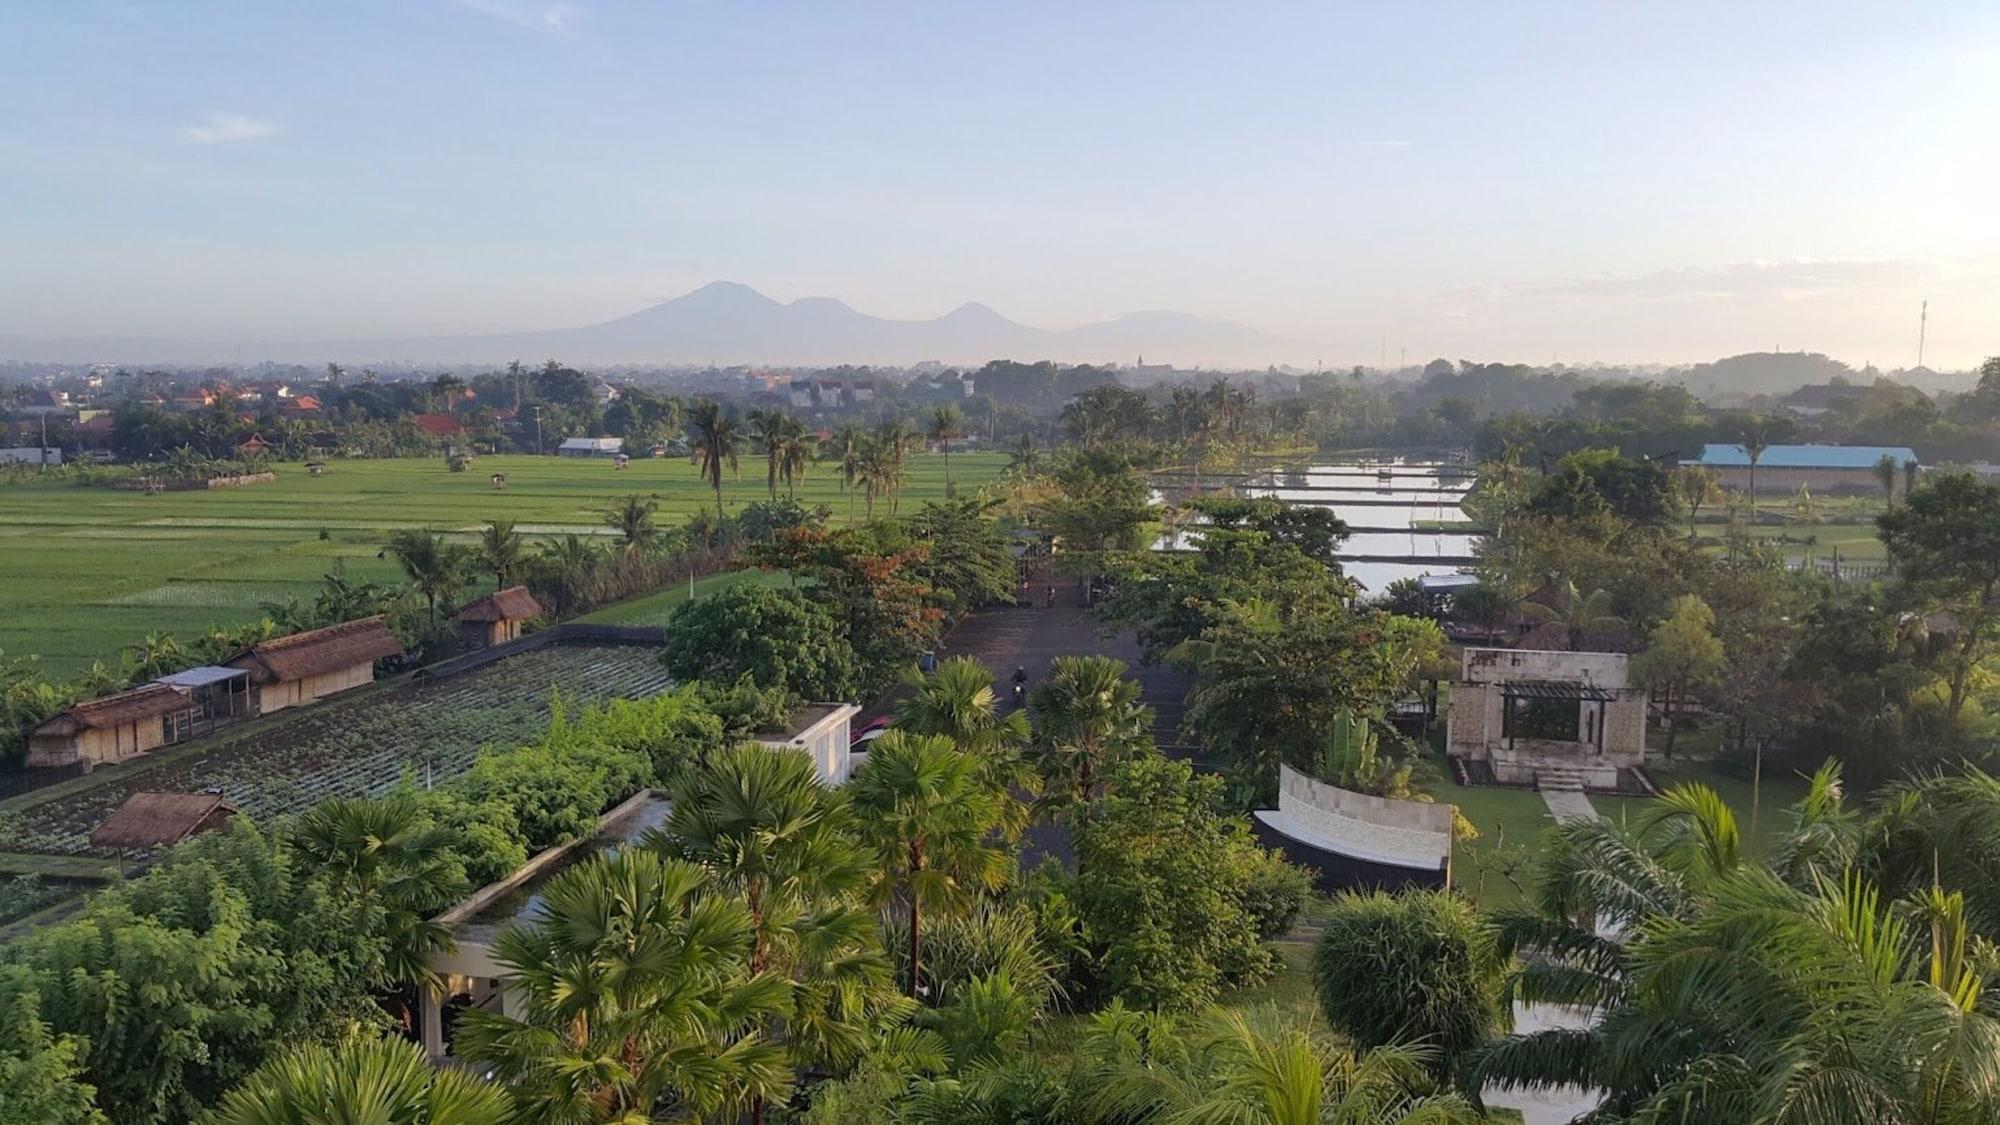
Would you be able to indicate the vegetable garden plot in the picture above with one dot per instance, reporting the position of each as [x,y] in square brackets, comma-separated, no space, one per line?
[362,746]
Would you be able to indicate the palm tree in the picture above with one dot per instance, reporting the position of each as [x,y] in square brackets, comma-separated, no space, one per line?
[1577,613]
[633,517]
[1232,1073]
[893,439]
[760,820]
[380,1080]
[500,548]
[446,390]
[1886,471]
[767,429]
[1026,456]
[958,701]
[796,451]
[435,567]
[634,999]
[571,558]
[921,804]
[946,423]
[847,448]
[388,852]
[1699,488]
[715,439]
[1753,447]
[1088,719]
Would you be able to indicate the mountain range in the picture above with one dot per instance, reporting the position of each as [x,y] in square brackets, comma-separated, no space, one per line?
[726,323]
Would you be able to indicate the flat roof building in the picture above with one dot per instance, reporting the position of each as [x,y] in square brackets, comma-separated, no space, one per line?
[1822,468]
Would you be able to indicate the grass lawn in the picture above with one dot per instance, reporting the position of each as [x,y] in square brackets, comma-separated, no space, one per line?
[1516,818]
[652,609]
[85,571]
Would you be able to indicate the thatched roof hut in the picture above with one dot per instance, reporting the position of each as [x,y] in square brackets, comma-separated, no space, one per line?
[156,820]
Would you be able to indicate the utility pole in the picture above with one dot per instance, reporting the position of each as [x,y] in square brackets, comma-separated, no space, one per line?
[539,447]
[1923,324]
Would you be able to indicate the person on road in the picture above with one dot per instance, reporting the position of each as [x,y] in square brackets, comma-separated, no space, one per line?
[1020,683]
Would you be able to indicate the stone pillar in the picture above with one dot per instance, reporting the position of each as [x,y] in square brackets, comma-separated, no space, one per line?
[432,1016]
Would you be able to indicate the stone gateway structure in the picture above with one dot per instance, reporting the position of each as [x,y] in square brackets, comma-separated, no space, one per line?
[1539,718]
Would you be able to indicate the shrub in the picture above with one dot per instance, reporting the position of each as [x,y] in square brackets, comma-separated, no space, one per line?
[1419,967]
[778,638]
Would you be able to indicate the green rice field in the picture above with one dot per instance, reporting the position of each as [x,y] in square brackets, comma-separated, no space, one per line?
[85,571]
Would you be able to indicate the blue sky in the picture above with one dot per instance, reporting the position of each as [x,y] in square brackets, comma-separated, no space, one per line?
[1615,181]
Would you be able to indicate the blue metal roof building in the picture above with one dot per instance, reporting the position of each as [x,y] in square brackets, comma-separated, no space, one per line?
[1719,456]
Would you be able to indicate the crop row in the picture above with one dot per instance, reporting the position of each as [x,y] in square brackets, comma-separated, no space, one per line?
[428,733]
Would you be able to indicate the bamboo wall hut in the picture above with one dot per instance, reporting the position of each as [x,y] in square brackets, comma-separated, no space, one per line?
[112,728]
[496,618]
[290,671]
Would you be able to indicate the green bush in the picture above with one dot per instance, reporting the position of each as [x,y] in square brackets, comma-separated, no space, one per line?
[1418,967]
[778,638]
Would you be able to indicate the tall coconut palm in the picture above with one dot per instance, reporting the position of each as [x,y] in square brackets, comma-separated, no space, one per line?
[1577,613]
[1754,444]
[893,441]
[1886,471]
[846,449]
[958,701]
[500,549]
[387,851]
[796,451]
[633,517]
[921,804]
[1234,1073]
[446,391]
[767,430]
[375,1080]
[634,1000]
[1088,719]
[716,437]
[435,567]
[946,424]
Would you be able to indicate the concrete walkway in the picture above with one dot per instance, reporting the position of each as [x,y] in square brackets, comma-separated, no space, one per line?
[1567,805]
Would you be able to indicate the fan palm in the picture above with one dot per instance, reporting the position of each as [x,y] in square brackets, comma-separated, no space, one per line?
[1577,613]
[635,999]
[716,437]
[761,822]
[388,852]
[959,702]
[500,548]
[1088,719]
[363,1080]
[921,804]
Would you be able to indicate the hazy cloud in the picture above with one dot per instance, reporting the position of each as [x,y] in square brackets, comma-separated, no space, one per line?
[1385,144]
[553,19]
[227,128]
[1801,277]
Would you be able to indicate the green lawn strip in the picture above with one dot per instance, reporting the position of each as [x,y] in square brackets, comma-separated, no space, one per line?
[652,609]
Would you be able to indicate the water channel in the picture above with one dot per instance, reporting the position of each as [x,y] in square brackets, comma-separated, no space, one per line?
[1393,509]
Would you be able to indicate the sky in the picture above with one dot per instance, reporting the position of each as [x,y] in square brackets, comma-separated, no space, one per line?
[1615,182]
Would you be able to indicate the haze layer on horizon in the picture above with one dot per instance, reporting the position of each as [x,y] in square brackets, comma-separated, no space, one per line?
[1626,183]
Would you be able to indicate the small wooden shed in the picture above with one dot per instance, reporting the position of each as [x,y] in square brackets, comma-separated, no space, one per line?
[112,728]
[289,671]
[157,820]
[496,618]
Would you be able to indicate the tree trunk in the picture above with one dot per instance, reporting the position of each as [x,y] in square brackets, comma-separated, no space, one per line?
[916,948]
[1673,723]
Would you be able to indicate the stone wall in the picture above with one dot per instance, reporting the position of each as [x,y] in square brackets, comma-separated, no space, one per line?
[1510,665]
